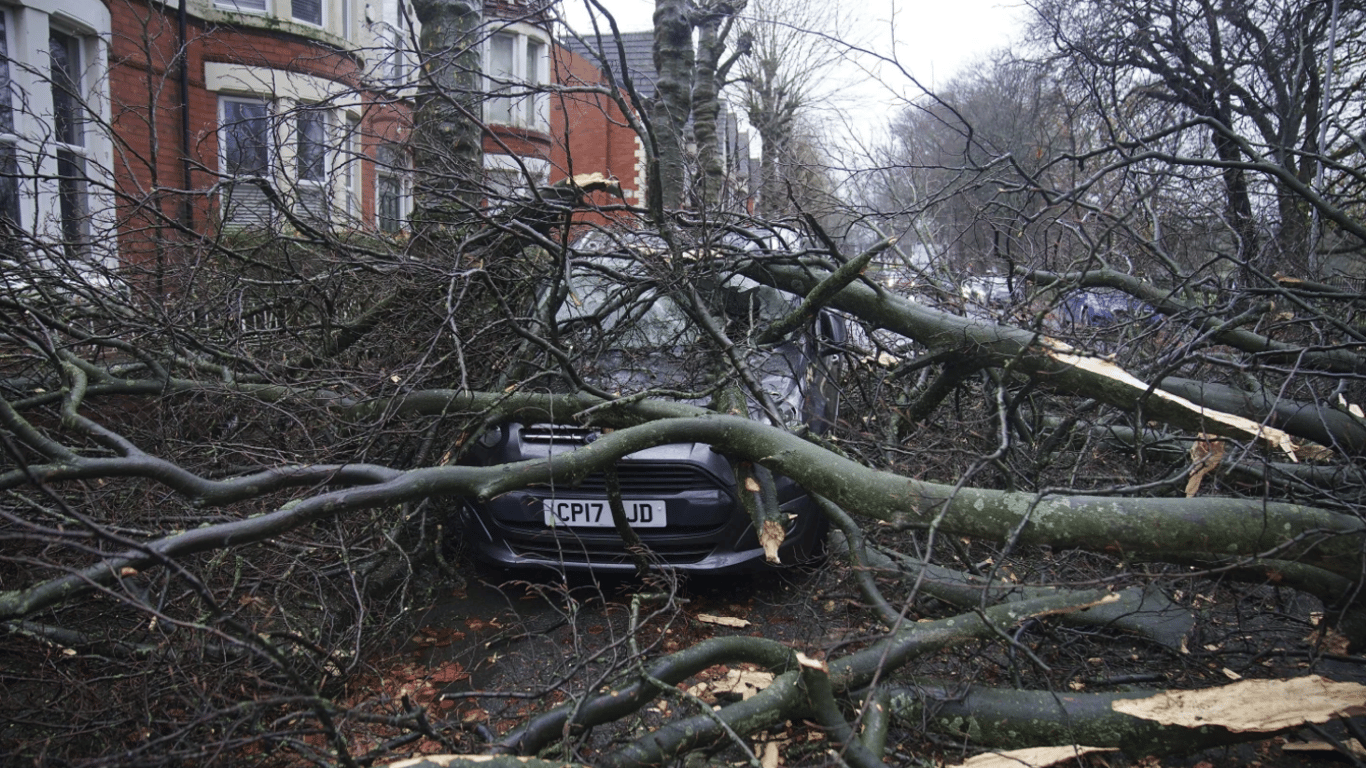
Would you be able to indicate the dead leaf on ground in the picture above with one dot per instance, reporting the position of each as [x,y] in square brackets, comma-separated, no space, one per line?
[771,753]
[1206,453]
[725,621]
[1033,757]
[1252,705]
[1330,640]
[449,672]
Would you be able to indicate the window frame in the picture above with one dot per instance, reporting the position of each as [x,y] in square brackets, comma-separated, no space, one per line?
[352,172]
[323,161]
[229,178]
[270,151]
[527,107]
[10,202]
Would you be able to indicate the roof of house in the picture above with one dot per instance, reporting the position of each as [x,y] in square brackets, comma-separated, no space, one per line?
[603,52]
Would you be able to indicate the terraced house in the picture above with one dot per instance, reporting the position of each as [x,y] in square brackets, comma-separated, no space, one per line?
[126,125]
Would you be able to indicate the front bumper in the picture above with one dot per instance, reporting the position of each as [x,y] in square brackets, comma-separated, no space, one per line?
[708,531]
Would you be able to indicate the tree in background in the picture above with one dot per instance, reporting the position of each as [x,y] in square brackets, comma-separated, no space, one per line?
[781,83]
[1249,81]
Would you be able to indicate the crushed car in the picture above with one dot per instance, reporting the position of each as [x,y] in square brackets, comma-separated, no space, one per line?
[628,332]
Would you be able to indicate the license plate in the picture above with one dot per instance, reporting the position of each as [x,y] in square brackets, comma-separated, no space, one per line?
[597,513]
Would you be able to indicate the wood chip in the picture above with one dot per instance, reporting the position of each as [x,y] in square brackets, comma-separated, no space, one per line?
[1033,757]
[725,621]
[1252,706]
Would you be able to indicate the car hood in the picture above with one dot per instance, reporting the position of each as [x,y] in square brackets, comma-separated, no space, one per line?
[624,372]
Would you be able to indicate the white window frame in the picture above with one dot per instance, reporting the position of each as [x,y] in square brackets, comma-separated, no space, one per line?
[352,169]
[74,225]
[271,142]
[41,169]
[528,106]
[9,139]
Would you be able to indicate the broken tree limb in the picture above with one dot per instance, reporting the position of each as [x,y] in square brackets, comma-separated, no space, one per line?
[1010,719]
[1035,355]
[1145,612]
[1147,527]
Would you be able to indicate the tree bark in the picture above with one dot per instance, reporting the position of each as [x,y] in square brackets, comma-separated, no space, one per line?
[448,127]
[672,106]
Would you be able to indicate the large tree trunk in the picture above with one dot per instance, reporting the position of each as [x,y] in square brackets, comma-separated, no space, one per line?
[672,106]
[448,126]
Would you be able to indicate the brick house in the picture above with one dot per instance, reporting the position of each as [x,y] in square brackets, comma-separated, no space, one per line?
[151,119]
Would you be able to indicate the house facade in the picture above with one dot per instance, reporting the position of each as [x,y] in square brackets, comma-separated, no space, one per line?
[126,125]
[246,114]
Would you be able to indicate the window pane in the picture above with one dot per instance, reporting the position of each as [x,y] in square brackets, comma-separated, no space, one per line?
[352,167]
[310,11]
[389,206]
[6,115]
[532,77]
[500,57]
[67,114]
[243,5]
[9,184]
[312,150]
[501,74]
[397,56]
[71,196]
[246,131]
[535,51]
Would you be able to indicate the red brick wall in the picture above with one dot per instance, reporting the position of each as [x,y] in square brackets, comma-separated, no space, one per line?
[589,132]
[146,112]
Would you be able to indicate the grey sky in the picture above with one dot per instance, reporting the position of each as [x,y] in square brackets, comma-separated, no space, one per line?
[932,38]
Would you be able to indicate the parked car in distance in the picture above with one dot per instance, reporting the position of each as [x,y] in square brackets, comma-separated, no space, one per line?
[680,499]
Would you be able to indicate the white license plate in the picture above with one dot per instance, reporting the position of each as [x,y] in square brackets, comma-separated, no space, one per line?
[597,513]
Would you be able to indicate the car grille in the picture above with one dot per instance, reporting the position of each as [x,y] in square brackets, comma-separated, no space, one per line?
[602,553]
[643,478]
[556,433]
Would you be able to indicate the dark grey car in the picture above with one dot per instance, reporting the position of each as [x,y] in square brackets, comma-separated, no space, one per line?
[681,499]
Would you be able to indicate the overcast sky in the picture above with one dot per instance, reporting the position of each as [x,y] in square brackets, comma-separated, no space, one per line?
[930,39]
[933,38]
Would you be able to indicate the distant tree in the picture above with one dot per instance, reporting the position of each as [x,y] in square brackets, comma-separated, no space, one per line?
[1247,79]
[791,52]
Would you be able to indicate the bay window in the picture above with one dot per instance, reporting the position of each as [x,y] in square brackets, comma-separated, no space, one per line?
[51,110]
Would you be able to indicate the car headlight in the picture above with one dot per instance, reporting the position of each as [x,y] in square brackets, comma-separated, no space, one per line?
[491,437]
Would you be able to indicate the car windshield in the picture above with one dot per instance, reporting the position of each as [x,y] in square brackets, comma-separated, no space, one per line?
[608,295]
